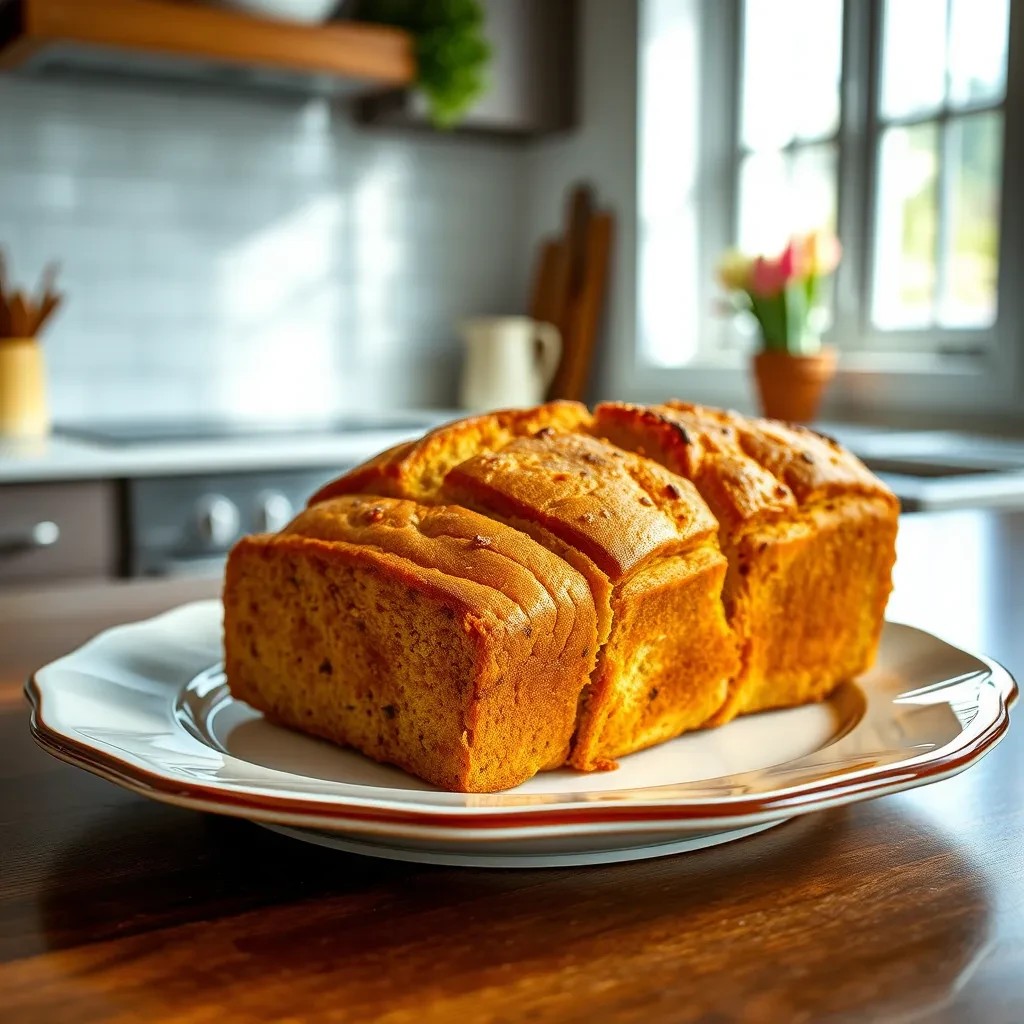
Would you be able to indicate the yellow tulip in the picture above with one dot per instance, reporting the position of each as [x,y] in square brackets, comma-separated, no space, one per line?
[821,253]
[734,270]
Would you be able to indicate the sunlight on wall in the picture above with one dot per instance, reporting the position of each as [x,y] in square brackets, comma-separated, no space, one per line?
[283,263]
[278,295]
[382,251]
[314,292]
[226,254]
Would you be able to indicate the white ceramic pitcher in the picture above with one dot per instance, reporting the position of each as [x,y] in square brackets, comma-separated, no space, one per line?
[509,362]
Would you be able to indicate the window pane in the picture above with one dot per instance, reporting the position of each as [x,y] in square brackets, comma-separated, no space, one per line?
[971,259]
[784,194]
[905,227]
[913,56]
[669,298]
[977,51]
[792,55]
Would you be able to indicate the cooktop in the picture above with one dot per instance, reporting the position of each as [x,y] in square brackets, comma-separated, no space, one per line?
[123,433]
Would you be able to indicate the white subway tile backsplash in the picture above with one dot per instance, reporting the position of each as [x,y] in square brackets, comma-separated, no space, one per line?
[254,255]
[30,195]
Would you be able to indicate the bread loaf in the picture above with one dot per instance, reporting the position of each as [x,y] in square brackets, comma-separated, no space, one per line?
[529,588]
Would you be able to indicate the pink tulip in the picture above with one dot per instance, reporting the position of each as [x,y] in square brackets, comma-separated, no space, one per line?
[769,276]
[791,262]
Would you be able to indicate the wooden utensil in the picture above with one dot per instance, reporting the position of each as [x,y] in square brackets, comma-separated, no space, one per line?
[18,313]
[44,312]
[579,210]
[5,327]
[584,312]
[569,286]
[21,314]
[551,285]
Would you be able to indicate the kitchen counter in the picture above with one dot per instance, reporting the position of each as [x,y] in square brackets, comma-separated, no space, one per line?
[929,470]
[902,908]
[60,458]
[933,470]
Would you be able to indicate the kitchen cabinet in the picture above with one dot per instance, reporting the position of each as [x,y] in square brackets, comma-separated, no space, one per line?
[164,38]
[532,89]
[58,531]
[169,498]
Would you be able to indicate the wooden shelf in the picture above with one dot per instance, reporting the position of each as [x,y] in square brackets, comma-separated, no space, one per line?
[351,55]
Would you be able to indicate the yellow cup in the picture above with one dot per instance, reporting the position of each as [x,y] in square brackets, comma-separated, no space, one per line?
[23,407]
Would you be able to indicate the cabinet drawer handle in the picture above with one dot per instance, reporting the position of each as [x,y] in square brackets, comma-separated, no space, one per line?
[42,535]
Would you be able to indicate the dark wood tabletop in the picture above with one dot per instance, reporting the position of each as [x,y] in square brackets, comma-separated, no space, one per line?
[909,907]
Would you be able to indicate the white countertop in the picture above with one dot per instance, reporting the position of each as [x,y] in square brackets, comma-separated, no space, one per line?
[985,471]
[66,458]
[59,458]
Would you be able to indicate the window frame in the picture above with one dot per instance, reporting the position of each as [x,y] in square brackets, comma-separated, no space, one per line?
[948,369]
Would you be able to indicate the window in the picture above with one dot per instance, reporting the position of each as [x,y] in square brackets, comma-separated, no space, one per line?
[882,119]
[788,146]
[938,137]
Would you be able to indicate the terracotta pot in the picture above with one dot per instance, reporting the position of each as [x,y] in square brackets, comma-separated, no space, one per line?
[23,408]
[790,386]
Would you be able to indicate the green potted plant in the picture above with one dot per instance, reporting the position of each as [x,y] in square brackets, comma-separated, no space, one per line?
[783,294]
[452,54]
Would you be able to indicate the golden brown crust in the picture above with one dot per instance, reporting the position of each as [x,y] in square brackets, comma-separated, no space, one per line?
[607,513]
[417,469]
[618,509]
[809,596]
[746,468]
[704,446]
[667,665]
[809,533]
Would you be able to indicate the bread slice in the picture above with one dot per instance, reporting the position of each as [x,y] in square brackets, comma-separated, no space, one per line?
[808,531]
[432,638]
[642,538]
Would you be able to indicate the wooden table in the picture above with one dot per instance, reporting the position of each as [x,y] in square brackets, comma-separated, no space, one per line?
[909,907]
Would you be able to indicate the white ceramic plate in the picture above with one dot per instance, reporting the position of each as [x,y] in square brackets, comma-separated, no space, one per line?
[146,706]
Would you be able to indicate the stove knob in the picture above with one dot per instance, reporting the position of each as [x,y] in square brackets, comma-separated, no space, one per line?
[273,511]
[217,520]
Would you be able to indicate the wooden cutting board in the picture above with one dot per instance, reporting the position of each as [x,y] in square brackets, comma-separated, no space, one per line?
[551,284]
[569,287]
[583,316]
